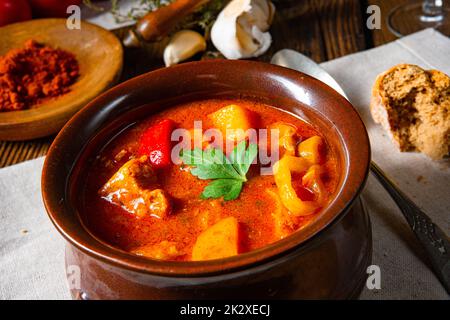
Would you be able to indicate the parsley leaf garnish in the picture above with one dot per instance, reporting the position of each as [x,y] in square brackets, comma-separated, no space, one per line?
[229,174]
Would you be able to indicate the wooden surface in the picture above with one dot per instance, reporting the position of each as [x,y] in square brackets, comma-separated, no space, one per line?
[322,29]
[99,55]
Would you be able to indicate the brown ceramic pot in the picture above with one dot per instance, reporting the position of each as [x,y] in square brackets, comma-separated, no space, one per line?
[326,259]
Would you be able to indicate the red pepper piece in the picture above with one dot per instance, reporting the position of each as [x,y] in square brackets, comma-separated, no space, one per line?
[155,142]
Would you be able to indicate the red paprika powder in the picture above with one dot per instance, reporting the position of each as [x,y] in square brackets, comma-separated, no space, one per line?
[34,73]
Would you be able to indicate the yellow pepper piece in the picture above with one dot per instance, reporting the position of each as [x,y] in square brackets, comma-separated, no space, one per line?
[284,223]
[286,136]
[283,180]
[310,149]
[312,179]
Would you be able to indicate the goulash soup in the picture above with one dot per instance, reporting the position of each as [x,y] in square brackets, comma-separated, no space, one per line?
[208,180]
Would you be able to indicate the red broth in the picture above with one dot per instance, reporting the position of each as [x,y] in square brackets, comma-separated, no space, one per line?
[190,215]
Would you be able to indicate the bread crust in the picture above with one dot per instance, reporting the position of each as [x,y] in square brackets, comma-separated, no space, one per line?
[413,106]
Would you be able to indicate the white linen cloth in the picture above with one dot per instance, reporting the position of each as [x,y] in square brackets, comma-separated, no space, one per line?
[32,262]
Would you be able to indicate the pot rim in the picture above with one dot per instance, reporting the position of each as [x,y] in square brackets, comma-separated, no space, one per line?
[355,174]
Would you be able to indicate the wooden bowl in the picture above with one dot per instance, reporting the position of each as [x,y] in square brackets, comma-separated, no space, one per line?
[100,57]
[327,258]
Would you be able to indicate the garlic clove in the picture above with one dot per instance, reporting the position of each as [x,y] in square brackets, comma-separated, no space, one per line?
[265,10]
[240,30]
[183,45]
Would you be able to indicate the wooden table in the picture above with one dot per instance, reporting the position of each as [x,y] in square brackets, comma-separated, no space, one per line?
[321,29]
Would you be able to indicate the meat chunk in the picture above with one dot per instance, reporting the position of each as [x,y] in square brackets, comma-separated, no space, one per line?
[165,250]
[134,187]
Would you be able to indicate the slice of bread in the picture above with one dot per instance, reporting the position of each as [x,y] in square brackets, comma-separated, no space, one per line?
[413,106]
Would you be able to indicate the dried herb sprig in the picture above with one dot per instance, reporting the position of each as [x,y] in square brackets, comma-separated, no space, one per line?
[202,19]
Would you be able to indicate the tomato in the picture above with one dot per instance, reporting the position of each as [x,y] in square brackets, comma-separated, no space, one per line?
[156,143]
[52,8]
[14,11]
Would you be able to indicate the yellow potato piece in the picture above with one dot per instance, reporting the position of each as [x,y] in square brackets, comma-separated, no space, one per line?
[284,223]
[218,241]
[233,121]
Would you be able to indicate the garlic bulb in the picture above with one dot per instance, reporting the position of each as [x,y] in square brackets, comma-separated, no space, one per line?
[240,30]
[183,45]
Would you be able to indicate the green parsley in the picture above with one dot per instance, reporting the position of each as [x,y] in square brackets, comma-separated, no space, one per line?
[228,173]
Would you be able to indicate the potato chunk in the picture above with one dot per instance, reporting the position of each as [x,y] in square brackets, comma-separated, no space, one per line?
[218,241]
[165,250]
[133,187]
[233,121]
[284,221]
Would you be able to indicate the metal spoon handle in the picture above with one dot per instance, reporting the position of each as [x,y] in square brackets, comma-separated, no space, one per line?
[433,239]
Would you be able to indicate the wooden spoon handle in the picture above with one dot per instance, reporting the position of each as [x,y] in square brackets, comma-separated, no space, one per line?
[158,23]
